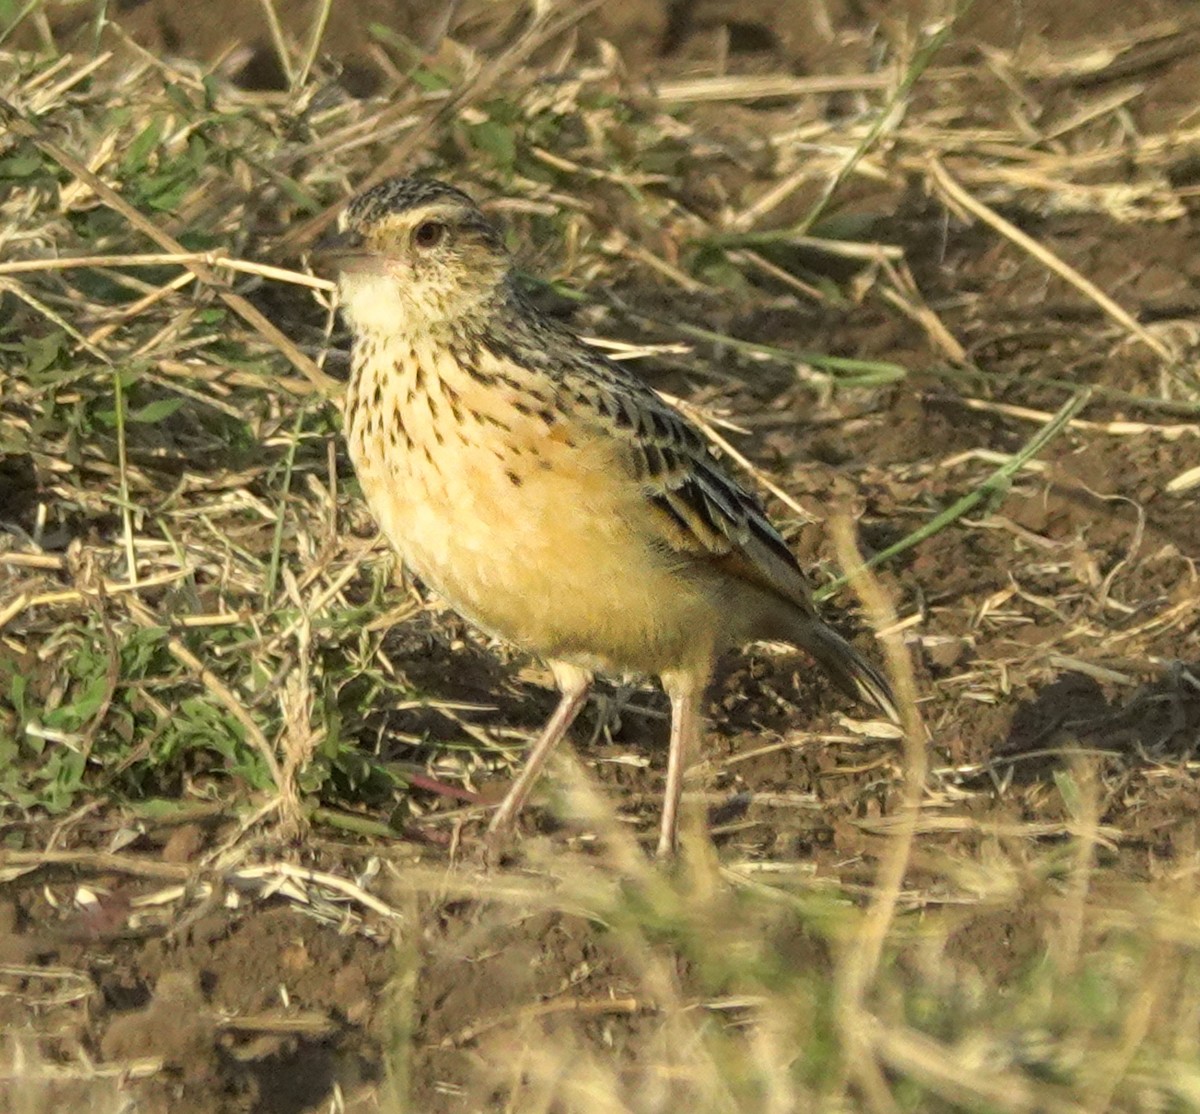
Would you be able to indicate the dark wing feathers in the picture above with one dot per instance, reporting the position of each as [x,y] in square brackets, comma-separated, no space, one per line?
[705,513]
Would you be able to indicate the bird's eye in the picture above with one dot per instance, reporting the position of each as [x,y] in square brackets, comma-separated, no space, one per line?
[429,233]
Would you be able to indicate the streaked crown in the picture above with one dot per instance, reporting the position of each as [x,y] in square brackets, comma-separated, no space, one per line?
[398,195]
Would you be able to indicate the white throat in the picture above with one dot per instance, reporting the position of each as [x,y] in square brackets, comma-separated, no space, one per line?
[374,303]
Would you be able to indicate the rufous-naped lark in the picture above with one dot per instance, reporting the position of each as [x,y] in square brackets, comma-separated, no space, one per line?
[542,490]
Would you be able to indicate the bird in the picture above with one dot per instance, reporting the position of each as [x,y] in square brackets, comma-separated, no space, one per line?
[546,493]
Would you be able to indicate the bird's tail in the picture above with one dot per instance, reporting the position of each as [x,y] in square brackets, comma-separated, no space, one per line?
[847,668]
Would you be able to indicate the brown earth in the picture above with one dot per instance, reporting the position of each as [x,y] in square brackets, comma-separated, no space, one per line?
[1093,545]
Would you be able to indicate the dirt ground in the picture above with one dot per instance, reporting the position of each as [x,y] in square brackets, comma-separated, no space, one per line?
[1077,591]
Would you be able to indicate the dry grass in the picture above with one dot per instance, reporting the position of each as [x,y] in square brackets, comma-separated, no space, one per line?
[195,613]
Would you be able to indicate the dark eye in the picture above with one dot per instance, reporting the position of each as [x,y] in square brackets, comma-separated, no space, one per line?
[429,233]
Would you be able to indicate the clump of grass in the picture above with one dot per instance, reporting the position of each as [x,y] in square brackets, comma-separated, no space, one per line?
[34,1083]
[723,986]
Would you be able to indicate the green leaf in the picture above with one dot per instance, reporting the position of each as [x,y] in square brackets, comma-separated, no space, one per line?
[497,140]
[212,87]
[64,776]
[1068,788]
[156,411]
[181,99]
[21,166]
[71,717]
[138,153]
[16,694]
[165,191]
[429,80]
[92,699]
[139,650]
[45,351]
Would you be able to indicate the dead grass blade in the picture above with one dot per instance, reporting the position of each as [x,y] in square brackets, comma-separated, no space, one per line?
[960,199]
[249,313]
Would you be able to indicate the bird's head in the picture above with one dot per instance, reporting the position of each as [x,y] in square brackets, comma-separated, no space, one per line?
[413,253]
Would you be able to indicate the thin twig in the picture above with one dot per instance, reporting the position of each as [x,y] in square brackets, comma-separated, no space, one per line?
[961,198]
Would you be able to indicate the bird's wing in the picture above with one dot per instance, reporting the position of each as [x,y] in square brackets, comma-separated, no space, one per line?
[702,511]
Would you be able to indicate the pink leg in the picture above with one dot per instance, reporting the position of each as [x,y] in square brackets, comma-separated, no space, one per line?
[686,691]
[574,684]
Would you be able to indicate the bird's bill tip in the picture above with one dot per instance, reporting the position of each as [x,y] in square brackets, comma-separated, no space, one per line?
[341,252]
[338,242]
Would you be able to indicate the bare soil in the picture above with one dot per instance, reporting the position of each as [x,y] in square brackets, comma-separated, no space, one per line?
[1069,597]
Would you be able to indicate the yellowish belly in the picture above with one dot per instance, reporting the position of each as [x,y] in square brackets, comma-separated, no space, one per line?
[547,547]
